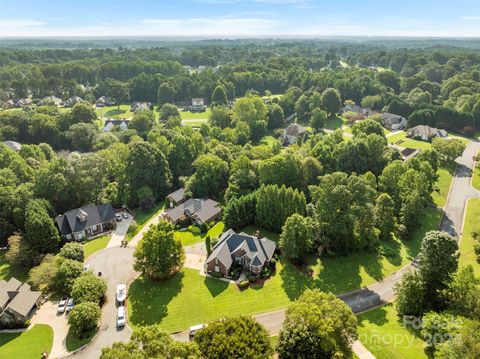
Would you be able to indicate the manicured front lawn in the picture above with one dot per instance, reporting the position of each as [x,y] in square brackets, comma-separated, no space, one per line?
[187,115]
[383,334]
[411,143]
[471,224]
[445,176]
[397,136]
[190,298]
[188,238]
[194,122]
[8,271]
[27,345]
[142,217]
[73,343]
[114,112]
[335,123]
[95,245]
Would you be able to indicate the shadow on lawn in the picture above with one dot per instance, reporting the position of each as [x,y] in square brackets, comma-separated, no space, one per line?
[215,286]
[149,300]
[376,316]
[114,112]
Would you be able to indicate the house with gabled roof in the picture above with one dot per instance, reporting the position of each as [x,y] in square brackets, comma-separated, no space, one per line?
[393,122]
[13,145]
[176,198]
[138,106]
[86,222]
[293,133]
[17,301]
[250,252]
[197,210]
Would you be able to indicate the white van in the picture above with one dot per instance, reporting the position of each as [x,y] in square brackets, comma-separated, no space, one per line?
[121,319]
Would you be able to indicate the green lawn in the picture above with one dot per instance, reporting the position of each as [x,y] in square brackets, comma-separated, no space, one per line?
[471,224]
[27,345]
[95,245]
[396,137]
[194,122]
[411,143]
[442,187]
[142,217]
[476,175]
[384,335]
[114,112]
[335,123]
[190,298]
[73,343]
[187,115]
[188,238]
[8,271]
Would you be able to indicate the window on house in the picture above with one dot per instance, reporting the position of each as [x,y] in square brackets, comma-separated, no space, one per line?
[217,269]
[216,260]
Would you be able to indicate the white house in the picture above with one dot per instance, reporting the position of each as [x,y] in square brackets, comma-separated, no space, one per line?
[293,133]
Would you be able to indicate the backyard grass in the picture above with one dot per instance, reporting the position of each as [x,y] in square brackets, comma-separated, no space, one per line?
[411,143]
[142,217]
[397,136]
[27,345]
[8,271]
[198,122]
[189,298]
[114,112]
[442,187]
[95,245]
[73,343]
[187,115]
[335,123]
[384,335]
[188,238]
[471,224]
[476,175]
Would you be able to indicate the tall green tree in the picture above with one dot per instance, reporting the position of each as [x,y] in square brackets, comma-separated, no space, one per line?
[296,239]
[219,96]
[331,101]
[165,93]
[159,255]
[40,231]
[210,177]
[236,337]
[317,325]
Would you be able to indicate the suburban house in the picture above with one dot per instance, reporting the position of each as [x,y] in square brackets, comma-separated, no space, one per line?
[51,100]
[110,124]
[393,122]
[250,252]
[138,106]
[199,211]
[176,198]
[13,145]
[16,302]
[19,102]
[105,101]
[293,133]
[198,105]
[72,101]
[351,107]
[426,133]
[86,222]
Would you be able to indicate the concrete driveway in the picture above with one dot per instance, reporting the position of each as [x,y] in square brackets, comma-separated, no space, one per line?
[119,234]
[195,256]
[116,266]
[47,314]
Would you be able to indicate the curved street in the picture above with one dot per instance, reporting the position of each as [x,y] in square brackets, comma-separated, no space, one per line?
[116,265]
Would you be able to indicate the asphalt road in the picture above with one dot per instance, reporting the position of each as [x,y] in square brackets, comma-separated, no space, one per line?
[116,265]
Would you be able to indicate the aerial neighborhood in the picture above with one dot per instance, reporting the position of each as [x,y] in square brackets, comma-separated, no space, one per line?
[246,198]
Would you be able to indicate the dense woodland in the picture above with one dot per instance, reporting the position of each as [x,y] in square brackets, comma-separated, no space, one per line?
[334,186]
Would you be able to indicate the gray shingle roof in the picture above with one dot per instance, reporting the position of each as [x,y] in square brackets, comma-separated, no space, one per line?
[23,302]
[295,129]
[259,250]
[391,118]
[178,195]
[204,209]
[70,222]
[13,145]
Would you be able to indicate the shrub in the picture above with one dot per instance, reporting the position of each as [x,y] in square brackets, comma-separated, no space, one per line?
[88,288]
[273,263]
[203,228]
[194,229]
[84,318]
[42,277]
[68,271]
[252,278]
[243,284]
[476,248]
[73,250]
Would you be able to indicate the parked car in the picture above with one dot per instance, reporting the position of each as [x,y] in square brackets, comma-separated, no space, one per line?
[125,215]
[121,316]
[62,305]
[118,217]
[121,293]
[70,304]
[195,329]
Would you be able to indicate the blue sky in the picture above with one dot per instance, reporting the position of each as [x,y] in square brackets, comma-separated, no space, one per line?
[240,18]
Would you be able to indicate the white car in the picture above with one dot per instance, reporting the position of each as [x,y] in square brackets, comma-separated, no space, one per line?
[195,329]
[121,293]
[121,319]
[62,305]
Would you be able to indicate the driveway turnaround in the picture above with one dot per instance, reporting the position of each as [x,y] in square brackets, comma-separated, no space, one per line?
[116,266]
